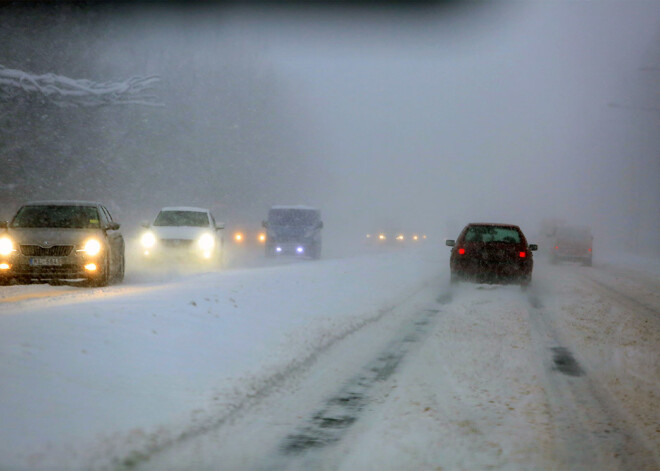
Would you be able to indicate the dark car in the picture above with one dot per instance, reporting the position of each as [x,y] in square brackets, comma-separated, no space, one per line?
[53,240]
[293,230]
[572,243]
[491,253]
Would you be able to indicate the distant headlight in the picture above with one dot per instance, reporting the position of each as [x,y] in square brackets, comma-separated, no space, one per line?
[206,242]
[238,237]
[148,240]
[6,246]
[92,247]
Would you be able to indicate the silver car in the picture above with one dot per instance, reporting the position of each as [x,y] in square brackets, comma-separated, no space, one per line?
[183,234]
[51,240]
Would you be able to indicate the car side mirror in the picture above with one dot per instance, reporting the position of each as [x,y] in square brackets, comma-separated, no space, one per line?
[145,224]
[264,224]
[113,226]
[450,242]
[533,247]
[219,226]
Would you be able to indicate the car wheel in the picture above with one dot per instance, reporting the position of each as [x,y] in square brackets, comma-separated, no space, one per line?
[103,278]
[119,276]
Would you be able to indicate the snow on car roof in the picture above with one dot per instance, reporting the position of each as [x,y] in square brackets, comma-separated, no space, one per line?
[295,206]
[62,203]
[185,208]
[499,224]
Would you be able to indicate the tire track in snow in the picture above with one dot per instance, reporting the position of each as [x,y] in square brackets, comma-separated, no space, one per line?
[590,431]
[158,445]
[328,424]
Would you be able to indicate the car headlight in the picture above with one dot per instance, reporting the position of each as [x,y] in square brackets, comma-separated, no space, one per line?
[148,240]
[238,237]
[206,242]
[6,246]
[92,247]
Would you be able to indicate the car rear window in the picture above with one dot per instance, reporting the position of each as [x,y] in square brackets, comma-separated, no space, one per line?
[57,216]
[182,218]
[493,234]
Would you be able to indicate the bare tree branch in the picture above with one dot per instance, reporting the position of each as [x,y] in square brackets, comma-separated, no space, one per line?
[64,91]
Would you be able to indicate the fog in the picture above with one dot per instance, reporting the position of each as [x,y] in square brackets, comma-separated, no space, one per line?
[421,118]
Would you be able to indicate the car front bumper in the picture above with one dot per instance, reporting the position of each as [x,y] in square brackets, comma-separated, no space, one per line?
[72,266]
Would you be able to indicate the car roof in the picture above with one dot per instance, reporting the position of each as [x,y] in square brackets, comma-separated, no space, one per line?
[185,208]
[494,224]
[63,203]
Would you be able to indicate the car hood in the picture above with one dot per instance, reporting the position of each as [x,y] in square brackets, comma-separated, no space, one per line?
[180,232]
[47,237]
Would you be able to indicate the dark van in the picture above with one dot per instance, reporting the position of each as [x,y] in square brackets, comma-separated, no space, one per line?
[293,230]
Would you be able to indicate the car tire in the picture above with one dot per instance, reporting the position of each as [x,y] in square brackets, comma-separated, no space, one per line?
[119,276]
[103,278]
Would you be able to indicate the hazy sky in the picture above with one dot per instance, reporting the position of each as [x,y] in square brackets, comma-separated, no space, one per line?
[413,119]
[494,113]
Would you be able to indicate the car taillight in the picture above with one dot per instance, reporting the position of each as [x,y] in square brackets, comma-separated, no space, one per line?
[556,247]
[589,250]
[461,251]
[523,254]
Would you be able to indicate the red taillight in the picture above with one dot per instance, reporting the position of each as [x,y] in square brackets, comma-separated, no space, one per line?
[556,247]
[589,250]
[523,254]
[461,251]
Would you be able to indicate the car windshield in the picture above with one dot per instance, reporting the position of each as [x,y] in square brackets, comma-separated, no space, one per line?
[293,217]
[492,234]
[57,216]
[182,218]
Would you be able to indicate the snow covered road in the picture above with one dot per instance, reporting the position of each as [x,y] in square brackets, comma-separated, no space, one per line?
[345,364]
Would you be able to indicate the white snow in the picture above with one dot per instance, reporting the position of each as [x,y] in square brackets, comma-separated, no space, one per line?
[94,376]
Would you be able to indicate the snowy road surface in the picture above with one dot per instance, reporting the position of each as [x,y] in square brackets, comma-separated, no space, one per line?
[362,363]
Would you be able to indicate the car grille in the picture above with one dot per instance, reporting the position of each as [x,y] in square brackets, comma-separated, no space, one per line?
[178,243]
[54,251]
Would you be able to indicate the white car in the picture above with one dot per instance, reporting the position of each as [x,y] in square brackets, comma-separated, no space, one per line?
[183,234]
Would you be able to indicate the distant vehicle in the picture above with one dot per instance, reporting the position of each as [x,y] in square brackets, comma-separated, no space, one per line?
[572,243]
[491,253]
[62,240]
[393,238]
[245,237]
[184,235]
[293,230]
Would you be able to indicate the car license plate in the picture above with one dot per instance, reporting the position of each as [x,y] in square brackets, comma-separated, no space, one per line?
[45,262]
